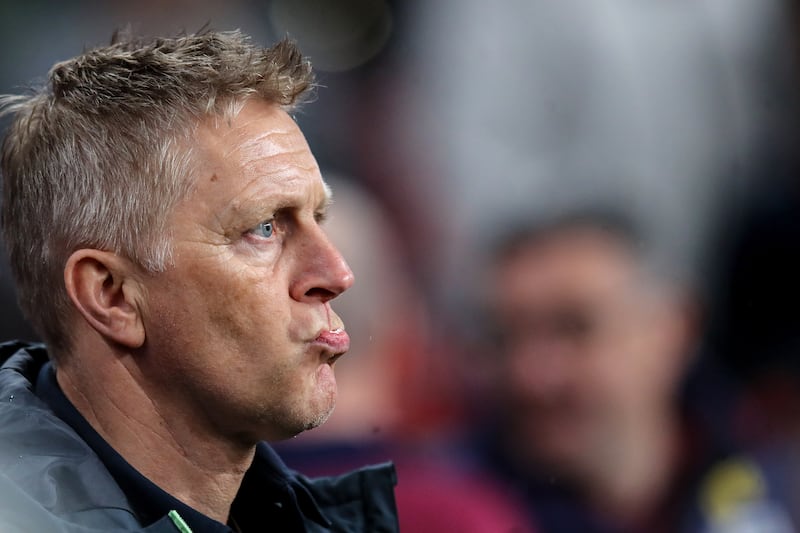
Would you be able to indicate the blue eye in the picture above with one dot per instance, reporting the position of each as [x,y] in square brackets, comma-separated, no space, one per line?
[264,229]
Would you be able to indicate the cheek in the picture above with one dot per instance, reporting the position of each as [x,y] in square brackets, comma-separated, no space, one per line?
[240,308]
[243,303]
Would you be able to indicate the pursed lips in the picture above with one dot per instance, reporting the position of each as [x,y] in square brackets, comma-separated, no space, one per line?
[334,342]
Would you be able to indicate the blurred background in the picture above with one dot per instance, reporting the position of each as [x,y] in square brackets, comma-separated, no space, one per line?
[575,232]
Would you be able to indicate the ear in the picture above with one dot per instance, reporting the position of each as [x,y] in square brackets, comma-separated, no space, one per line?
[103,290]
[679,330]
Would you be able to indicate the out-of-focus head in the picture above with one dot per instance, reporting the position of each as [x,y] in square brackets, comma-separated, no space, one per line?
[588,341]
[100,156]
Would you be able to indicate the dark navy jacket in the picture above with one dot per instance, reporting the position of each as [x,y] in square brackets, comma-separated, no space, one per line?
[52,481]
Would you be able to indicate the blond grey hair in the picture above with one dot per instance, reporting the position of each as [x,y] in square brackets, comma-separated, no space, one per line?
[99,157]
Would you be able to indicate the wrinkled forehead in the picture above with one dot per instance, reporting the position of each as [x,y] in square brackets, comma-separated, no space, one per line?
[257,126]
[258,160]
[260,137]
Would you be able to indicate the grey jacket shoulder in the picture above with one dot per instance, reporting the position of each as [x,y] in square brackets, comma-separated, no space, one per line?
[51,480]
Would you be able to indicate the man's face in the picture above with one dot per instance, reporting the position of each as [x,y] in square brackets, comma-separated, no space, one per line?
[580,357]
[240,335]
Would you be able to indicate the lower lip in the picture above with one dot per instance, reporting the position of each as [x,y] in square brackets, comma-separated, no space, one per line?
[338,341]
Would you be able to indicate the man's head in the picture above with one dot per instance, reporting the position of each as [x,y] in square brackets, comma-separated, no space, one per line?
[589,343]
[100,156]
[162,213]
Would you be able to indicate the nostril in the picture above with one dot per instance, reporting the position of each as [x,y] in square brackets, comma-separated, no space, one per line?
[318,293]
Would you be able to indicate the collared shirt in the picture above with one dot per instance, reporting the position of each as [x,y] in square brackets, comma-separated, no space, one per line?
[270,496]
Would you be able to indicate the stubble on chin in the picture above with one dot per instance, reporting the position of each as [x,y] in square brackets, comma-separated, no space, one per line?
[321,419]
[295,421]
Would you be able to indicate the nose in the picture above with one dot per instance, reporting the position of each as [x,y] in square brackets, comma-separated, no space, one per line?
[322,272]
[538,368]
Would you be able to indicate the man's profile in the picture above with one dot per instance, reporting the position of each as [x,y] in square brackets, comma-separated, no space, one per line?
[162,211]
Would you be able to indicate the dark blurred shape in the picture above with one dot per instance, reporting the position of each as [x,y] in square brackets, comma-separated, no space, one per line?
[754,278]
[760,290]
[755,333]
[337,35]
[12,323]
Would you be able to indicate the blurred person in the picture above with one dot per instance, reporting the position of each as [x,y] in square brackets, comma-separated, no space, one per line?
[162,215]
[592,340]
[396,398]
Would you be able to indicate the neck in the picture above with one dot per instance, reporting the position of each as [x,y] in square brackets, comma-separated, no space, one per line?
[200,468]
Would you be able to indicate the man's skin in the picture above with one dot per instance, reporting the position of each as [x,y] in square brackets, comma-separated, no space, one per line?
[184,371]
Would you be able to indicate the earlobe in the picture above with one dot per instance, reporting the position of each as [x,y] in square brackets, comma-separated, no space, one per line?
[105,294]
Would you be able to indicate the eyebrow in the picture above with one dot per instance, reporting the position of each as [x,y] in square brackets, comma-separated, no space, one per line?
[247,212]
[324,205]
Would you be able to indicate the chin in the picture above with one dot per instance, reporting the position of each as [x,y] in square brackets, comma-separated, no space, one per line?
[320,419]
[311,409]
[308,421]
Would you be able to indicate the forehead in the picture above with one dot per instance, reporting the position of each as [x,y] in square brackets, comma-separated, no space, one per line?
[574,264]
[261,133]
[258,153]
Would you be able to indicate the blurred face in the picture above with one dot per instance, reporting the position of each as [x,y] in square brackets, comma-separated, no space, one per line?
[582,358]
[241,337]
